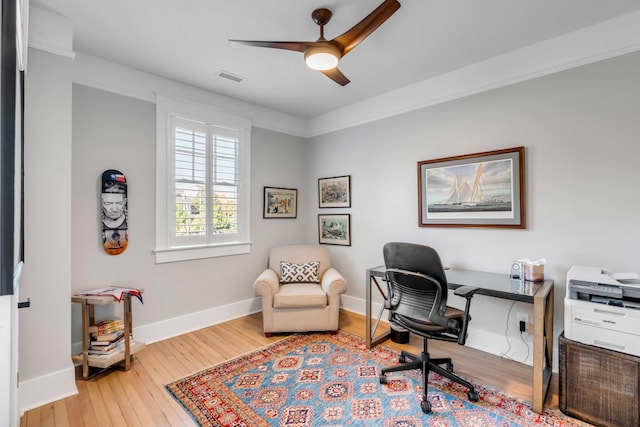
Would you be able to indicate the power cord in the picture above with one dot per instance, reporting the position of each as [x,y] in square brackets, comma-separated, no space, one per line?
[526,345]
[505,354]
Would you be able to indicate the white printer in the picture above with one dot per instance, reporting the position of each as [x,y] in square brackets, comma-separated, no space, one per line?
[602,308]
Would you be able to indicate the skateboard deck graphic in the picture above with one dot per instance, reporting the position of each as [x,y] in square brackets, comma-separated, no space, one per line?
[115,236]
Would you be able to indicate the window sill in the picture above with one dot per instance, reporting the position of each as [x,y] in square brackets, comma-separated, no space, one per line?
[186,253]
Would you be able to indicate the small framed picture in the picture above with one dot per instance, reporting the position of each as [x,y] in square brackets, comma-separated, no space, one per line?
[280,202]
[334,192]
[334,229]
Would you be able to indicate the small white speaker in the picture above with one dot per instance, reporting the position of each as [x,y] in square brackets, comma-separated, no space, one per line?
[517,270]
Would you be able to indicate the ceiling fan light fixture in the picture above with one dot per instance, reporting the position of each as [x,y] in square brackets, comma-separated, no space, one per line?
[322,57]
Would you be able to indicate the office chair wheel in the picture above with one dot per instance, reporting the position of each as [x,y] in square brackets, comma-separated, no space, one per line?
[473,395]
[425,406]
[402,359]
[383,379]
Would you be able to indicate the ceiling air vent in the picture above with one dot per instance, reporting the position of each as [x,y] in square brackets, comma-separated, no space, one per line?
[227,75]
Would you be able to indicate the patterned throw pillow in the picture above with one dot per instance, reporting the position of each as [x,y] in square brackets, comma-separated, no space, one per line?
[299,273]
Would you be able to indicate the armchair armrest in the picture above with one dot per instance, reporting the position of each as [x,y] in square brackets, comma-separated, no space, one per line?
[332,282]
[267,283]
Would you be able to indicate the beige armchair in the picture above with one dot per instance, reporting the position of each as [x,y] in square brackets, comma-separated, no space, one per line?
[291,301]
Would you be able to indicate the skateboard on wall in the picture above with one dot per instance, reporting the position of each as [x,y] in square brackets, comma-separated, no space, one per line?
[115,237]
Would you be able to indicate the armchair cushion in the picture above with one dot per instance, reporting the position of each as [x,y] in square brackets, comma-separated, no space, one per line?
[299,273]
[296,306]
[300,295]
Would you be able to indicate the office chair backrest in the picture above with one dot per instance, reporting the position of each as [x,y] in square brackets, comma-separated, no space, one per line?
[418,284]
[414,257]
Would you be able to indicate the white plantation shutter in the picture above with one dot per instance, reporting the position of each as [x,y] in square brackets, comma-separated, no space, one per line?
[206,182]
[206,174]
[225,183]
[190,181]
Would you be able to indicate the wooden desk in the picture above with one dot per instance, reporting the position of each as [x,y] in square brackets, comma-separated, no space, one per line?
[498,286]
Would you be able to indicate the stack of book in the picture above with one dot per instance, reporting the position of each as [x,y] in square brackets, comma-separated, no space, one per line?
[107,337]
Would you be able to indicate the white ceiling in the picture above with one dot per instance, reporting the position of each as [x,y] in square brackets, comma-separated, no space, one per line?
[186,40]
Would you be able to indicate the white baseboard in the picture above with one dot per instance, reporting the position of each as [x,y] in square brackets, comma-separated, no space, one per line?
[46,389]
[479,339]
[513,348]
[168,328]
[180,325]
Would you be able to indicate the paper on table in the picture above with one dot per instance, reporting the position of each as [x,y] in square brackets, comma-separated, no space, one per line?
[115,292]
[541,261]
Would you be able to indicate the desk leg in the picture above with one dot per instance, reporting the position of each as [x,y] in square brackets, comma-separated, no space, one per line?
[370,331]
[542,344]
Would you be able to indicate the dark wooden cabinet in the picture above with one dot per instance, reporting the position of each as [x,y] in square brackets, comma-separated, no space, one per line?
[598,385]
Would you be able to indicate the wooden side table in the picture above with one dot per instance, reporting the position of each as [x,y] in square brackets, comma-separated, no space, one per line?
[88,303]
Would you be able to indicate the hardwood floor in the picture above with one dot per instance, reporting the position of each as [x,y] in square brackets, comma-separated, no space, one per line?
[137,397]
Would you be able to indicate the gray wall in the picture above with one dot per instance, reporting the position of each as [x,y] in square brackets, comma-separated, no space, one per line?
[581,130]
[44,327]
[115,132]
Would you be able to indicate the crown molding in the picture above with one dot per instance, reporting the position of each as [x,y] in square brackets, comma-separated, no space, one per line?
[591,44]
[101,74]
[50,32]
[53,33]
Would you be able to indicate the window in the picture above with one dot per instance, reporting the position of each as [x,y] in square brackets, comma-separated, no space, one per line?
[205,183]
[202,173]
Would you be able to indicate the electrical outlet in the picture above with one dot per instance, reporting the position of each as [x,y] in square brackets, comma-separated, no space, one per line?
[523,320]
[523,317]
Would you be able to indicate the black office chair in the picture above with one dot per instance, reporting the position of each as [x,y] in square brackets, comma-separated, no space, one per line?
[417,301]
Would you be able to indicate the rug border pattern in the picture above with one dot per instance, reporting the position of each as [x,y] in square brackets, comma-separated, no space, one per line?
[226,405]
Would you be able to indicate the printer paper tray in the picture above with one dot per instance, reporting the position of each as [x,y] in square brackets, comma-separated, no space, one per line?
[604,326]
[613,340]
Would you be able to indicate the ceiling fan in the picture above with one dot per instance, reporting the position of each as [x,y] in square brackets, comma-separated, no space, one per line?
[323,55]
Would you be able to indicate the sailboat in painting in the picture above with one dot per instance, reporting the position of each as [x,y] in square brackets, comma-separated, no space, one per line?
[465,197]
[464,194]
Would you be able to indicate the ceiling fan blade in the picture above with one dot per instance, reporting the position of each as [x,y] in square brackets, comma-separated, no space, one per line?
[337,76]
[295,46]
[351,38]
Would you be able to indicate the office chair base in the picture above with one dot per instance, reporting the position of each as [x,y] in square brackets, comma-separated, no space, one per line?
[411,361]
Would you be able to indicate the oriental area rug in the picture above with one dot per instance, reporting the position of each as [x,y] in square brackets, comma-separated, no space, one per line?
[332,380]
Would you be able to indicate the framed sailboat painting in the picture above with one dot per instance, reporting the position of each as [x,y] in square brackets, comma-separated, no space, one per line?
[474,190]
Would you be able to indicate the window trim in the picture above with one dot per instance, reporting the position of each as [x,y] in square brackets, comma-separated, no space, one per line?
[168,106]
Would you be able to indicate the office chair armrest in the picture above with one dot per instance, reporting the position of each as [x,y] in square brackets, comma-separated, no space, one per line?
[465,291]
